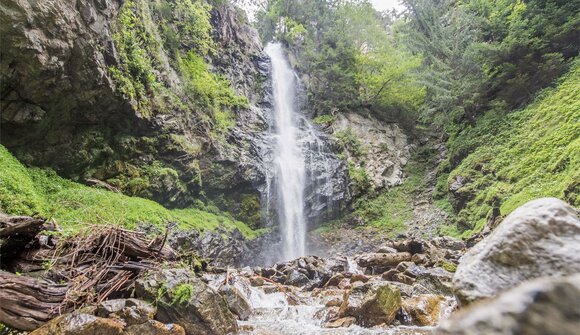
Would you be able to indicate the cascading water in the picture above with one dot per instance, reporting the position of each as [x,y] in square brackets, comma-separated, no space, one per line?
[290,172]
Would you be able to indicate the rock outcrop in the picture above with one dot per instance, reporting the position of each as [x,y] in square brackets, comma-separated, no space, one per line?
[545,306]
[539,238]
[381,150]
[185,299]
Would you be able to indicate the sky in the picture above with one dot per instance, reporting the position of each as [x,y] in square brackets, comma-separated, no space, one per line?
[387,4]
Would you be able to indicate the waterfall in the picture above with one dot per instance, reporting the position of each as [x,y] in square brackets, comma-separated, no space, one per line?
[289,163]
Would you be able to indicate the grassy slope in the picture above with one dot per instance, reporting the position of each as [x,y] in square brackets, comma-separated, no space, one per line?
[28,191]
[527,154]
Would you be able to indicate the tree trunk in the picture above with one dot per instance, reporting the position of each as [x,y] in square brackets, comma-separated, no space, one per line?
[26,303]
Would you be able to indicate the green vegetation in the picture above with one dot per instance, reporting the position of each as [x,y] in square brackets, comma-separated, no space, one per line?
[157,37]
[181,294]
[31,191]
[527,154]
[323,119]
[349,59]
[389,210]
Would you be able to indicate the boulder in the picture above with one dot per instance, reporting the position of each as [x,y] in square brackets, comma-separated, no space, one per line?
[237,302]
[371,304]
[541,237]
[80,324]
[382,259]
[131,311]
[185,299]
[152,327]
[342,322]
[544,306]
[424,309]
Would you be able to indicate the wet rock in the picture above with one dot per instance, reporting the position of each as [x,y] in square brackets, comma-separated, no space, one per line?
[342,322]
[188,301]
[80,324]
[131,311]
[545,306]
[359,277]
[257,281]
[344,284]
[152,327]
[424,310]
[540,237]
[379,259]
[371,304]
[296,278]
[237,301]
[335,280]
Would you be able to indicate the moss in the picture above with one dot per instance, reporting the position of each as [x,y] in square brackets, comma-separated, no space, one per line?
[35,191]
[181,294]
[390,209]
[451,267]
[323,119]
[511,159]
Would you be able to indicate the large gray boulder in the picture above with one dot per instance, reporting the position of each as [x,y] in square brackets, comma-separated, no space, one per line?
[545,306]
[540,238]
[185,299]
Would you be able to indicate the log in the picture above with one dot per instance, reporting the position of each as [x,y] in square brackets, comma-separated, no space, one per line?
[380,259]
[26,303]
[20,225]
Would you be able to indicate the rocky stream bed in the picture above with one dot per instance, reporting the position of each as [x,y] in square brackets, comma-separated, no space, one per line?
[521,279]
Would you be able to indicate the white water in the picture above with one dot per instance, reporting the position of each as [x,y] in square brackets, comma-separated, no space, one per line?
[289,174]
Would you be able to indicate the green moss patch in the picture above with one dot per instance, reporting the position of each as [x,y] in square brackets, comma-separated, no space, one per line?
[30,191]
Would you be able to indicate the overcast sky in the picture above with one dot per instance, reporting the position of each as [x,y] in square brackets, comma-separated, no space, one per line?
[387,4]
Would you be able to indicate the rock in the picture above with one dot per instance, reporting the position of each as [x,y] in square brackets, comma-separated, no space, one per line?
[386,250]
[131,311]
[333,302]
[402,278]
[371,304]
[420,259]
[404,266]
[544,306]
[540,237]
[359,277]
[344,284]
[80,324]
[152,327]
[342,322]
[257,281]
[389,274]
[187,300]
[296,278]
[446,242]
[424,310]
[335,280]
[386,148]
[237,302]
[377,259]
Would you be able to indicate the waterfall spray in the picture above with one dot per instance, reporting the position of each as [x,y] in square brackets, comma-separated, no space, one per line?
[289,174]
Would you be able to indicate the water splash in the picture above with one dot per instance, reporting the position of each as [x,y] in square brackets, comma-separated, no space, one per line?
[289,172]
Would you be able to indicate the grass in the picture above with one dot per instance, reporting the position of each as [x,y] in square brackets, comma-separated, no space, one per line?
[32,191]
[514,158]
[390,209]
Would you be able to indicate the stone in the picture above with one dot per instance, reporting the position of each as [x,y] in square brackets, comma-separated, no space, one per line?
[425,309]
[540,237]
[371,304]
[335,280]
[80,324]
[377,259]
[544,306]
[257,281]
[131,311]
[187,301]
[342,322]
[296,278]
[237,302]
[447,242]
[359,277]
[386,250]
[152,327]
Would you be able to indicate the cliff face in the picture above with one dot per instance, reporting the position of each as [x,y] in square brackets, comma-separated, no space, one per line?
[161,99]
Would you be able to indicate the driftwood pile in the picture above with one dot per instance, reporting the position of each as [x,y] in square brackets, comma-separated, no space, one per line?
[43,276]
